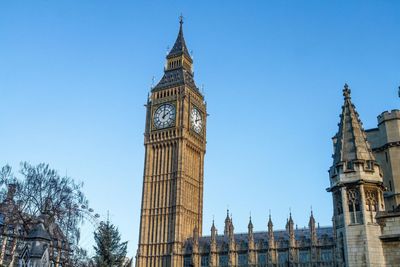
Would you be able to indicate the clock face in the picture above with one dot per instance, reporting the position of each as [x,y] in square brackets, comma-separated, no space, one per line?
[196,121]
[164,116]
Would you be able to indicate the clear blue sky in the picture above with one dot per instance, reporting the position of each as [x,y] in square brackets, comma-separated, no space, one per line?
[74,76]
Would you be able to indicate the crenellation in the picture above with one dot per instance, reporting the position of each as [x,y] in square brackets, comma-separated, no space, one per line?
[393,114]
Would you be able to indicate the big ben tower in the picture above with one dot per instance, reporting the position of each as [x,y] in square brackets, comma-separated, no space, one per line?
[175,142]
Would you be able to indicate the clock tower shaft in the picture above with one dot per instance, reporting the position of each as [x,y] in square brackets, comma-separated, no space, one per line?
[172,193]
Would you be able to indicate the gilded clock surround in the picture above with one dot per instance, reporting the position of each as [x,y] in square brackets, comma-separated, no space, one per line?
[196,123]
[155,116]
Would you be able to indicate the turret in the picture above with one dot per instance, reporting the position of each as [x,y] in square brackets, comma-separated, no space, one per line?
[250,234]
[290,230]
[356,186]
[313,230]
[232,244]
[251,248]
[271,239]
[271,242]
[292,240]
[195,248]
[385,142]
[227,224]
[213,246]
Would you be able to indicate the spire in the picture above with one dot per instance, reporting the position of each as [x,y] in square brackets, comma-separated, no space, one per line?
[251,247]
[179,66]
[270,224]
[213,244]
[350,141]
[311,225]
[231,228]
[271,240]
[311,222]
[250,227]
[289,224]
[231,236]
[179,47]
[227,223]
[213,232]
[290,230]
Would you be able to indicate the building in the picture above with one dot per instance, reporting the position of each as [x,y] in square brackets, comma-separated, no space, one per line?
[364,180]
[21,241]
[36,249]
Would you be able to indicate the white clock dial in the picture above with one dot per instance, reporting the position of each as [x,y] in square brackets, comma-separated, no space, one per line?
[196,120]
[164,116]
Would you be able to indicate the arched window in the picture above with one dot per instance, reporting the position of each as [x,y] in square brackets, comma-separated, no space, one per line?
[353,197]
[371,204]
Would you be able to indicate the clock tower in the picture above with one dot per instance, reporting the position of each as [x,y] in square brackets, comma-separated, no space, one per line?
[175,143]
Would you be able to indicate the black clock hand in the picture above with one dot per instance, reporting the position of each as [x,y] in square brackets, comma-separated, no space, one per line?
[165,114]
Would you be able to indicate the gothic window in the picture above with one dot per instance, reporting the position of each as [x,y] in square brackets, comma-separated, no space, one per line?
[339,206]
[204,261]
[262,259]
[242,259]
[223,260]
[187,262]
[283,257]
[304,256]
[371,203]
[353,197]
[326,255]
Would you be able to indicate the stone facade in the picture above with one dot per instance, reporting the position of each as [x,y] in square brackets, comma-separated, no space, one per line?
[356,184]
[385,143]
[364,180]
[174,162]
[313,246]
[390,223]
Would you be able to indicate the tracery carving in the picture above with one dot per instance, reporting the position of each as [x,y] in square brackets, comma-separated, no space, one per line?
[353,197]
[371,203]
[371,199]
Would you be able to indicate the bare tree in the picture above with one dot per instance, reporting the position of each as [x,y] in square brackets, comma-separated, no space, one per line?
[42,191]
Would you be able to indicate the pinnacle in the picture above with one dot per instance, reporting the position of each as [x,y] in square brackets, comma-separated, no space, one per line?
[346,91]
[351,143]
[179,47]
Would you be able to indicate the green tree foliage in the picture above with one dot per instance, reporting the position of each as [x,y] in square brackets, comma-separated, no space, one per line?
[110,251]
